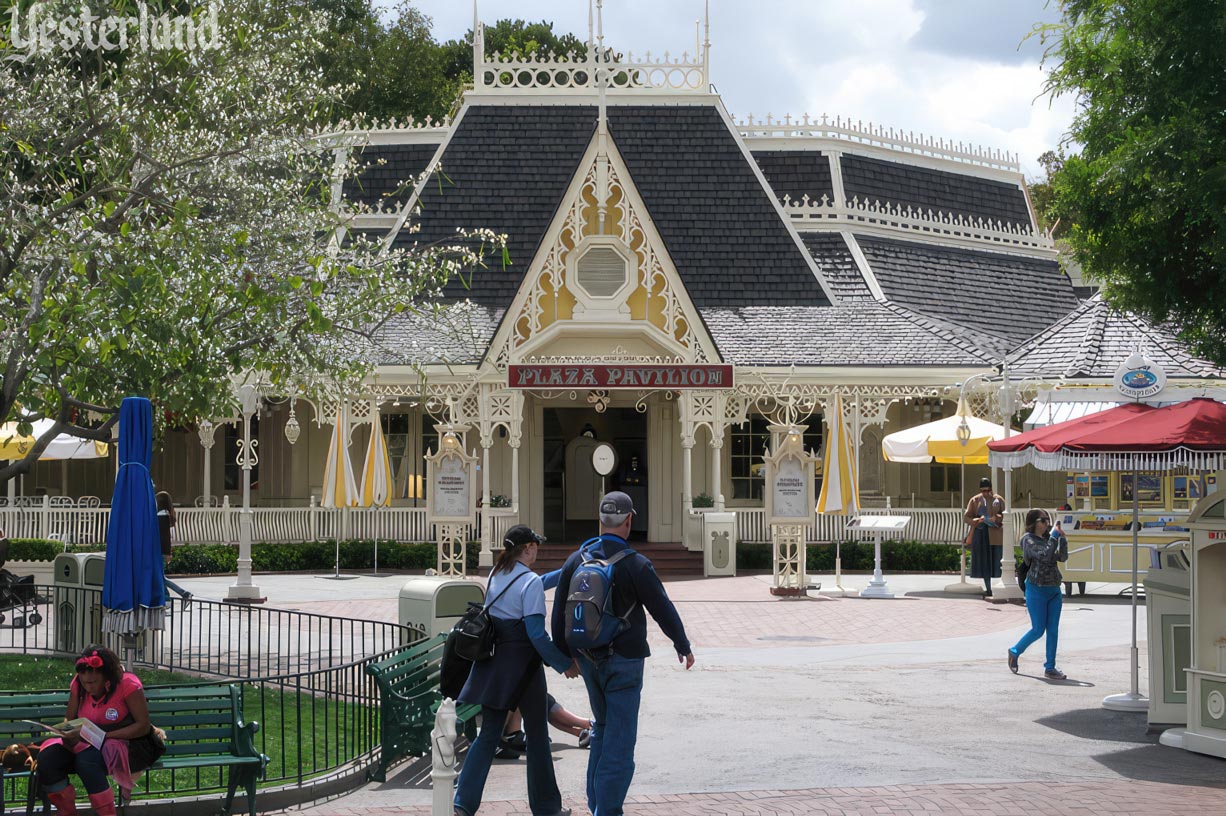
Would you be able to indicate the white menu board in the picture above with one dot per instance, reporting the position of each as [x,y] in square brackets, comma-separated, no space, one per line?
[791,492]
[451,492]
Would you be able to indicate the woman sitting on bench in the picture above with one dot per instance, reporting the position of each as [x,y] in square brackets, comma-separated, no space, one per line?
[113,699]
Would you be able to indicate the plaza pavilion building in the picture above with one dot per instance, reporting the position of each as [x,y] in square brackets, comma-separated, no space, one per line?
[677,280]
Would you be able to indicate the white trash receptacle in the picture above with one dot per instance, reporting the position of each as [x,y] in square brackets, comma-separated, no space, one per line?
[432,604]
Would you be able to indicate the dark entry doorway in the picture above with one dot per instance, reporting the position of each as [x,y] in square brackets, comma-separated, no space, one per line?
[572,487]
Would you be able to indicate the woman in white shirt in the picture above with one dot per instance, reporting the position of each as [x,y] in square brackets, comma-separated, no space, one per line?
[514,678]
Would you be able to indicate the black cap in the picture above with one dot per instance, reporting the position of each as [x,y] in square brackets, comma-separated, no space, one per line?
[985,482]
[521,534]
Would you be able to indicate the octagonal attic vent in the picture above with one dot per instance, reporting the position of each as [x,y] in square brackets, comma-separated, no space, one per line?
[601,272]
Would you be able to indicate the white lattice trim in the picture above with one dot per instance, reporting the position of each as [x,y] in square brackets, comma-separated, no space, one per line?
[867,133]
[930,223]
[1118,460]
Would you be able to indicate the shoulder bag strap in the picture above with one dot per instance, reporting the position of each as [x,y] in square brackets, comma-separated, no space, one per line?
[505,588]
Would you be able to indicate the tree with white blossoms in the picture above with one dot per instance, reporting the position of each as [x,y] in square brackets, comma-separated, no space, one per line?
[168,225]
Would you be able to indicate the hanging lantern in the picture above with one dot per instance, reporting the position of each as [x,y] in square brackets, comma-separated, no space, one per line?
[292,429]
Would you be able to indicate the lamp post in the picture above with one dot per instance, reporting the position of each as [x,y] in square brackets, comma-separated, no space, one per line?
[1008,589]
[242,590]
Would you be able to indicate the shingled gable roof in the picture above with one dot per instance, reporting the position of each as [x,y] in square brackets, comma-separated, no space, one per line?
[1094,339]
[907,185]
[506,169]
[865,333]
[388,173]
[994,293]
[728,242]
[834,258]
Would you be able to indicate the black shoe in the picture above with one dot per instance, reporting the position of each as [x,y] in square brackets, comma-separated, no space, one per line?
[1055,674]
[512,745]
[1012,662]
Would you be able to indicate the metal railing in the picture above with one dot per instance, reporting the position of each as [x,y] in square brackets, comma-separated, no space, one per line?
[303,675]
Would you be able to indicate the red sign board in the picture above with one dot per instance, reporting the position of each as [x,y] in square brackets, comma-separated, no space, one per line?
[629,375]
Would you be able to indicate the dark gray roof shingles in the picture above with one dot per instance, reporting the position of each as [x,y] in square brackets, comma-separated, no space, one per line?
[387,174]
[796,173]
[717,220]
[838,266]
[506,168]
[1006,296]
[876,180]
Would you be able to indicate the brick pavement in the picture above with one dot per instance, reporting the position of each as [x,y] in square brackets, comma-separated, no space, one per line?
[738,613]
[1114,798]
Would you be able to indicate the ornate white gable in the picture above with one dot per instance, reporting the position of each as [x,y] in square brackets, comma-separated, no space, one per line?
[602,281]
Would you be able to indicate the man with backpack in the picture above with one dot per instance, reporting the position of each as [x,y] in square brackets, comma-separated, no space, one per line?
[598,618]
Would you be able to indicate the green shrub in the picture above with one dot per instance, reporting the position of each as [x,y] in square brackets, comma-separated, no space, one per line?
[312,556]
[40,549]
[896,556]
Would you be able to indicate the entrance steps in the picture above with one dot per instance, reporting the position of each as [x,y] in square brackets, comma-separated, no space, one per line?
[670,559]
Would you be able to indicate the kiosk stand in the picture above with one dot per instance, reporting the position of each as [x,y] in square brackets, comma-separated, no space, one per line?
[1206,688]
[877,587]
[452,505]
[790,506]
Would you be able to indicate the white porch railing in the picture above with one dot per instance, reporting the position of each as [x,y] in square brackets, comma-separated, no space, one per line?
[930,525]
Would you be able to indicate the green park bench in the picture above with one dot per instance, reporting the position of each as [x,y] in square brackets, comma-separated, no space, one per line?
[409,692]
[203,725]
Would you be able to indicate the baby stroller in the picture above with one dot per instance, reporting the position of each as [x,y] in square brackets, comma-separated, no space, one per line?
[17,597]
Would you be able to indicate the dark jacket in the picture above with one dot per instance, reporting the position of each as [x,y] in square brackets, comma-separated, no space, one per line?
[635,587]
[1042,554]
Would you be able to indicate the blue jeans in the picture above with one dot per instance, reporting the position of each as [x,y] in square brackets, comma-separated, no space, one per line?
[544,799]
[1044,604]
[614,689]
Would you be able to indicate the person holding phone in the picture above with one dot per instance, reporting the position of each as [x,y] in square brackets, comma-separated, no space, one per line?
[1043,547]
[985,513]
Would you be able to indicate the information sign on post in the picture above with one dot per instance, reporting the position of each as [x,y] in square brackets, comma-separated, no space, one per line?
[790,506]
[451,505]
[878,524]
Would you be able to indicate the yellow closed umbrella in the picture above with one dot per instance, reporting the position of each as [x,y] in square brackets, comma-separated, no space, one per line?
[840,490]
[340,489]
[376,474]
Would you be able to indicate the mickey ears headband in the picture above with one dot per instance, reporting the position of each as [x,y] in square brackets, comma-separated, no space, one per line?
[94,661]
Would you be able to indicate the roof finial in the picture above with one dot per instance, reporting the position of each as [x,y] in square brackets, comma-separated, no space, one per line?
[478,50]
[591,37]
[706,43]
[600,24]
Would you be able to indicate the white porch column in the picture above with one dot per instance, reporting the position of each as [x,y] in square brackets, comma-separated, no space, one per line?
[687,474]
[717,456]
[486,557]
[1008,590]
[207,433]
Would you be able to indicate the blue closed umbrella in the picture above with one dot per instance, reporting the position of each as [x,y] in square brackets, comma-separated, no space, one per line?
[133,594]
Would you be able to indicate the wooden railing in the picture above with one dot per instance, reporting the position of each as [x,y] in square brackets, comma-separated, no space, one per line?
[933,525]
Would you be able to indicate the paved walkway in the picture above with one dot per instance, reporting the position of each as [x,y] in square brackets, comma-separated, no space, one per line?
[847,706]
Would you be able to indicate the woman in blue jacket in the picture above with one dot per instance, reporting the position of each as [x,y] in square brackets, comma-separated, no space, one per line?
[514,678]
[1043,547]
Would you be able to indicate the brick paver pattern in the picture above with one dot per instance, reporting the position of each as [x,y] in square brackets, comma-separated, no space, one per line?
[1116,798]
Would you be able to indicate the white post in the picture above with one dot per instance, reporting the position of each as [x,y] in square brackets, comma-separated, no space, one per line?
[442,759]
[207,432]
[314,511]
[717,476]
[687,476]
[486,557]
[1132,700]
[44,516]
[515,478]
[1008,589]
[242,590]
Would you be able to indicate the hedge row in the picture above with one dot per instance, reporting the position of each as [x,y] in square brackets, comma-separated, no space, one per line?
[896,556]
[310,556]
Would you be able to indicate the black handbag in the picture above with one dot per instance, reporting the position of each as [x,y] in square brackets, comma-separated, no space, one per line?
[1023,569]
[473,634]
[146,750]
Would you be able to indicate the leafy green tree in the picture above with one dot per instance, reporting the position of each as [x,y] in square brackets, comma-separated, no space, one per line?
[168,228]
[1145,196]
[507,37]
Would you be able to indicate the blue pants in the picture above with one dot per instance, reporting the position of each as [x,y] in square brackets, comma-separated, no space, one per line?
[56,761]
[614,689]
[544,799]
[1044,604]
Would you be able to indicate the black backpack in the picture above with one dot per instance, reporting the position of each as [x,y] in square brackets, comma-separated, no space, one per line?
[473,634]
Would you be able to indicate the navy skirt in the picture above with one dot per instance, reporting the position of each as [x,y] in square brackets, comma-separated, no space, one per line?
[985,558]
[501,681]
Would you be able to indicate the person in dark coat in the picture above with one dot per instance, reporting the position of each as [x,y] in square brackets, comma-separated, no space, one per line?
[514,678]
[985,512]
[166,521]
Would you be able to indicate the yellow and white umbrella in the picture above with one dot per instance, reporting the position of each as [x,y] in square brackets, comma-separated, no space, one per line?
[377,472]
[14,445]
[939,440]
[340,489]
[840,488]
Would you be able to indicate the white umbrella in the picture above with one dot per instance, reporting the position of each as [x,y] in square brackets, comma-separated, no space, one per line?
[376,475]
[957,439]
[840,484]
[340,489]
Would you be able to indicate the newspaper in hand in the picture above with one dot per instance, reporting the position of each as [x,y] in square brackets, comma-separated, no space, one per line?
[80,728]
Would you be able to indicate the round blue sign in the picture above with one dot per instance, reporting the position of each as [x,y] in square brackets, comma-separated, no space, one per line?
[1139,378]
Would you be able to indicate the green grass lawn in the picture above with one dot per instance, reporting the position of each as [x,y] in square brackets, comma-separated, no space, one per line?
[303,734]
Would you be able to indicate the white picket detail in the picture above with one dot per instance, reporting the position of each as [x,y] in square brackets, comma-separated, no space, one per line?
[931,525]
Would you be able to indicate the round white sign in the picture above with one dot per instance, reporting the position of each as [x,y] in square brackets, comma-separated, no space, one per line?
[604,459]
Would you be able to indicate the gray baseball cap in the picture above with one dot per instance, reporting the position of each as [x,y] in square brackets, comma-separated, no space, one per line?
[614,508]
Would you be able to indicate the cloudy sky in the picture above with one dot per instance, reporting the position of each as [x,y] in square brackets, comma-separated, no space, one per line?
[950,68]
